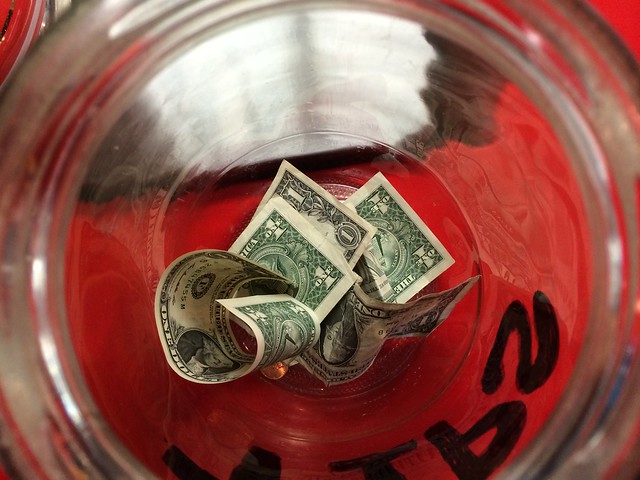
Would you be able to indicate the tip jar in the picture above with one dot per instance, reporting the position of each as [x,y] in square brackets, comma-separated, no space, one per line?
[138,131]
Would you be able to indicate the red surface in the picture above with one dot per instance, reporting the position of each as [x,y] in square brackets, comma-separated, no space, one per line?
[17,17]
[624,17]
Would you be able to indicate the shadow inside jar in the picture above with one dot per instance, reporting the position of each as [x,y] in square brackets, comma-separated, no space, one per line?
[461,97]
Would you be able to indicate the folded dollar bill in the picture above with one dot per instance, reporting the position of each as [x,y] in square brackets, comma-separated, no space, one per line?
[407,250]
[351,234]
[353,333]
[282,240]
[373,279]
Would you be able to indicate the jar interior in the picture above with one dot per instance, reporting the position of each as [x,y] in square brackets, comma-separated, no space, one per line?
[342,95]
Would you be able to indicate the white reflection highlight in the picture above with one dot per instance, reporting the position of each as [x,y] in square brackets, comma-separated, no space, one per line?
[345,71]
[52,363]
[38,274]
[48,347]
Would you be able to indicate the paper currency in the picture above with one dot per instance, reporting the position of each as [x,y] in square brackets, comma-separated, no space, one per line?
[374,281]
[194,329]
[350,232]
[353,333]
[443,304]
[280,239]
[310,281]
[282,326]
[409,253]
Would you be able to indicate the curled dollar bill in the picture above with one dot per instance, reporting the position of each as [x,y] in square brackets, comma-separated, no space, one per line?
[354,331]
[283,326]
[195,330]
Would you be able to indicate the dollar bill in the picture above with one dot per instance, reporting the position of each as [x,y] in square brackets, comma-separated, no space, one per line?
[283,326]
[441,304]
[194,329]
[409,253]
[353,333]
[350,233]
[373,280]
[282,240]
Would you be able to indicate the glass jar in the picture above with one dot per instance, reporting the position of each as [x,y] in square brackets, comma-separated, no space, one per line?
[22,22]
[141,130]
[20,26]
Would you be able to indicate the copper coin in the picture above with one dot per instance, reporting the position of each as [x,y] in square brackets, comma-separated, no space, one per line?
[275,371]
